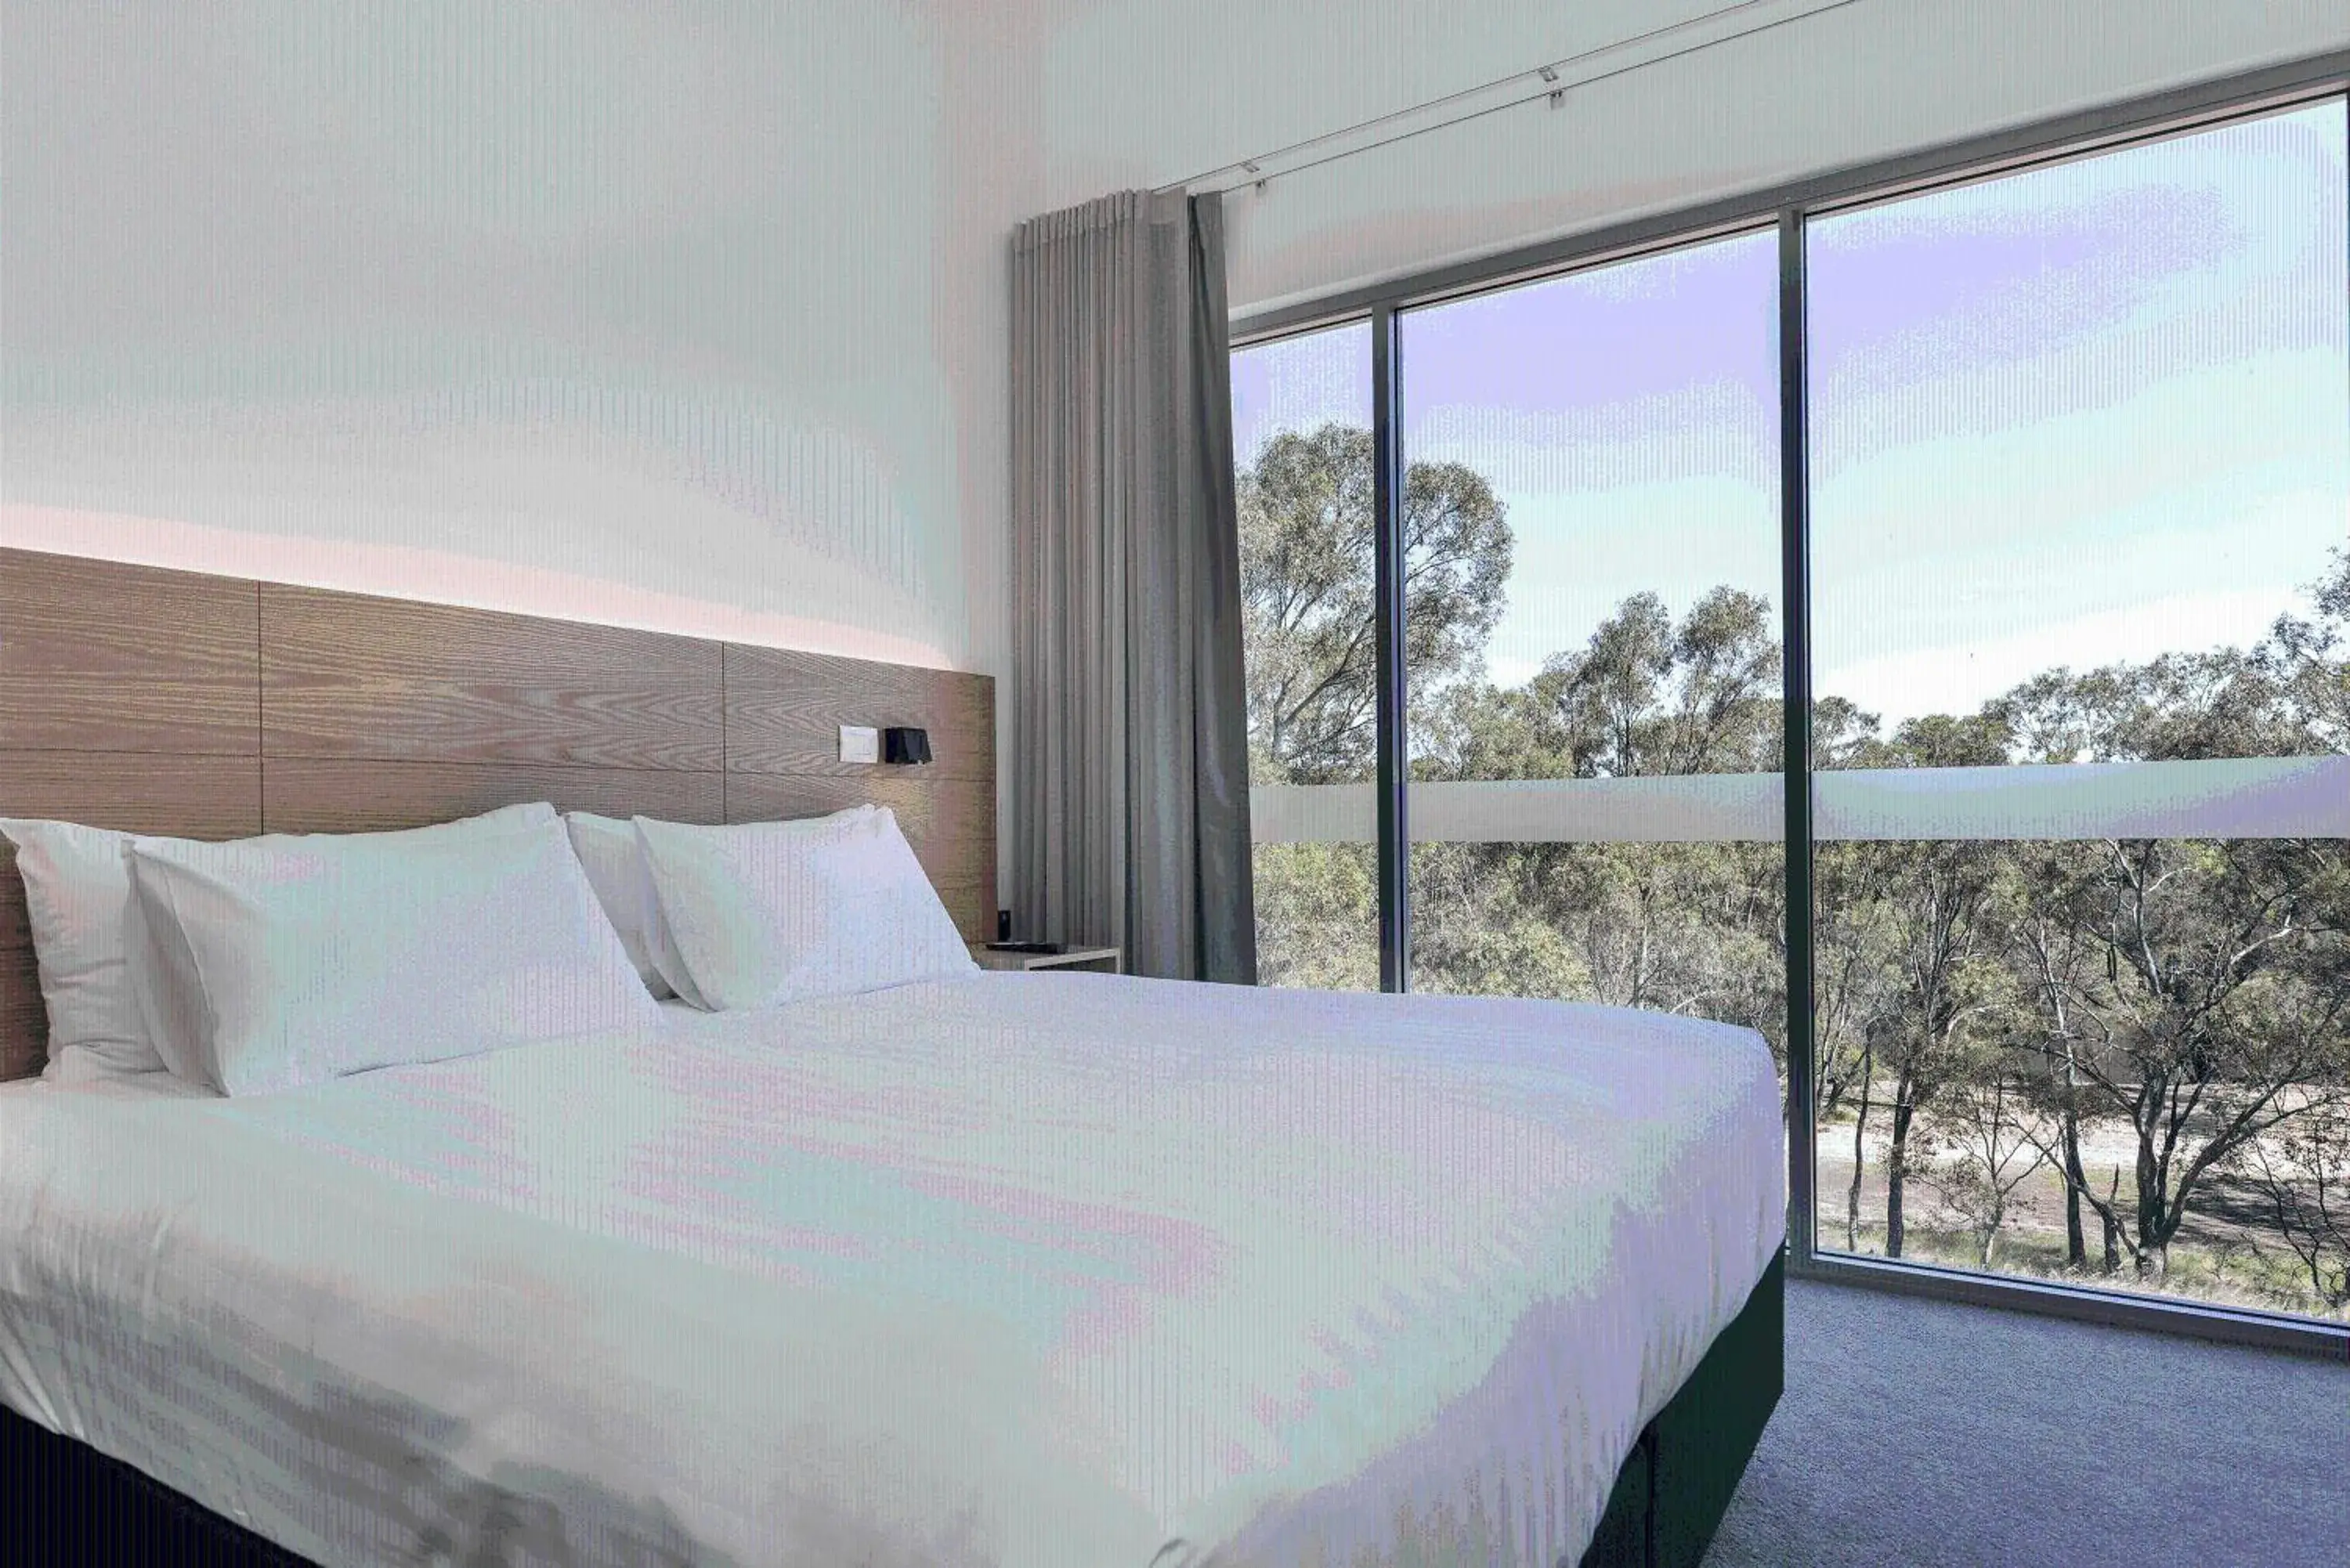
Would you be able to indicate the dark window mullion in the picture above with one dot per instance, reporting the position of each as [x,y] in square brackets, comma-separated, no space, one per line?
[1394,769]
[1796,594]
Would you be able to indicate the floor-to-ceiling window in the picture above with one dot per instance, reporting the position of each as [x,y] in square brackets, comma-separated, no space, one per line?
[2080,494]
[1301,443]
[2075,474]
[1591,502]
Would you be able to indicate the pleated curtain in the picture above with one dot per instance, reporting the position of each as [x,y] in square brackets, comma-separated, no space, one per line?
[1128,777]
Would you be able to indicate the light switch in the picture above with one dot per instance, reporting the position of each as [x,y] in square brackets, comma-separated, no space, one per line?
[860,743]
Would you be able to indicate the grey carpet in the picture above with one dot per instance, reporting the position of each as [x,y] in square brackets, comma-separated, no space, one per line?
[1923,1433]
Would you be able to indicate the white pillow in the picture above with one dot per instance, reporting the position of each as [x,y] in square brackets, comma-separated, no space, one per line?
[764,913]
[290,961]
[614,863]
[78,893]
[660,945]
[75,891]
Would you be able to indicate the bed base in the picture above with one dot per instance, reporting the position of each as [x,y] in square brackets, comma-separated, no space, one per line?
[1670,1495]
[70,1505]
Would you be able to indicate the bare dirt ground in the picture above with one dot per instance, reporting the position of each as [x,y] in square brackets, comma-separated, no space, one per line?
[2228,1251]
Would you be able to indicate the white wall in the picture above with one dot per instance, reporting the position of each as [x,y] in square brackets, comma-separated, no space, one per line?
[672,315]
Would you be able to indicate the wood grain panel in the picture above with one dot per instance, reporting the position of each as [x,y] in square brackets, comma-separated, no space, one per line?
[98,656]
[187,797]
[950,823]
[16,921]
[345,675]
[207,707]
[785,709]
[312,795]
[23,1021]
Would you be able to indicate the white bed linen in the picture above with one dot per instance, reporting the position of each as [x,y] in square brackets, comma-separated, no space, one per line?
[1014,1269]
[156,1083]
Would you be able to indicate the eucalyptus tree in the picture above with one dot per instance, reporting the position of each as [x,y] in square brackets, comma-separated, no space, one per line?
[2299,1174]
[1926,906]
[1307,536]
[1697,928]
[1985,1147]
[2197,991]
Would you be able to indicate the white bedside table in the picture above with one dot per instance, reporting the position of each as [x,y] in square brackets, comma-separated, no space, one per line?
[1101,960]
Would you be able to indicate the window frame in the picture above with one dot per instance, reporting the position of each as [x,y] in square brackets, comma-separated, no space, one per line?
[2176,112]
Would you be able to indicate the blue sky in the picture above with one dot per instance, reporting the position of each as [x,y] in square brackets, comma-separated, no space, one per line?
[2094,411]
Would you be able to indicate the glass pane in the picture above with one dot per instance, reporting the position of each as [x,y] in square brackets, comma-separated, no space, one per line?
[1302,445]
[2081,470]
[1592,614]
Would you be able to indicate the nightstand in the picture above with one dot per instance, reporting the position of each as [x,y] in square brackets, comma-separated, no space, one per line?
[1101,960]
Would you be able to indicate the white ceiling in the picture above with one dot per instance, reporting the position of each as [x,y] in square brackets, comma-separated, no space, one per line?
[1146,92]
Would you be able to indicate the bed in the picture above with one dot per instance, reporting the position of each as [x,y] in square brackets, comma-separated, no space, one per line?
[1008,1269]
[1090,1270]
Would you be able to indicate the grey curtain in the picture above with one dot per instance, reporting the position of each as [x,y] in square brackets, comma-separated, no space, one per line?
[1129,730]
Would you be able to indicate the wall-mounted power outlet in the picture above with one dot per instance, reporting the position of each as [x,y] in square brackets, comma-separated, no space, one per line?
[860,743]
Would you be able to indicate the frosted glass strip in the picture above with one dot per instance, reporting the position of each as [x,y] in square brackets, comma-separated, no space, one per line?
[1314,813]
[1694,809]
[2246,797]
[2234,797]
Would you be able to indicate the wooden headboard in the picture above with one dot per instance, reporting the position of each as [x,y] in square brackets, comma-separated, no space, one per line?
[204,707]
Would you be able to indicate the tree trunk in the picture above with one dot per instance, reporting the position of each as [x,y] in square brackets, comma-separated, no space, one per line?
[2076,1250]
[2112,1227]
[2153,1234]
[1897,1167]
[1859,1146]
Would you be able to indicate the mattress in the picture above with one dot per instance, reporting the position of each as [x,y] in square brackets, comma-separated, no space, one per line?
[1011,1270]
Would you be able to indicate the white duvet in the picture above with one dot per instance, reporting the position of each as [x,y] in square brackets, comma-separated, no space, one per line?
[1011,1270]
